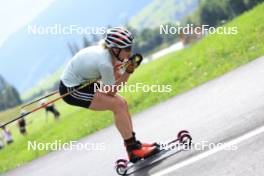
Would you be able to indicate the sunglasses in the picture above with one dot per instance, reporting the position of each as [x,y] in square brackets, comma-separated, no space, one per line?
[127,49]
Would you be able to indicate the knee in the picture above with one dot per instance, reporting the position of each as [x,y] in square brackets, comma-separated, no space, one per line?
[123,101]
[120,104]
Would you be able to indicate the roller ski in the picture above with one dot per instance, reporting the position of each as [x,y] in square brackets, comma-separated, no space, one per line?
[142,155]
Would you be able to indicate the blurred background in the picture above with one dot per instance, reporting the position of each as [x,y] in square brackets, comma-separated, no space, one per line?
[31,64]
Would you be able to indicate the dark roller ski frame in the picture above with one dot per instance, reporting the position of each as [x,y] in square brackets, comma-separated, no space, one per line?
[183,140]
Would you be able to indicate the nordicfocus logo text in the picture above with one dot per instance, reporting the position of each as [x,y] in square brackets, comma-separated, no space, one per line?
[198,146]
[190,29]
[59,29]
[58,145]
[138,87]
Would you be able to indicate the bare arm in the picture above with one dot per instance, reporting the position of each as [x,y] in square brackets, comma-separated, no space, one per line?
[120,81]
[130,67]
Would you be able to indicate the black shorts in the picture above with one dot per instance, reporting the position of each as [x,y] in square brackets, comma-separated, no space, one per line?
[81,97]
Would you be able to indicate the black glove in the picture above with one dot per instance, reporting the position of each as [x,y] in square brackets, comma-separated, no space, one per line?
[133,62]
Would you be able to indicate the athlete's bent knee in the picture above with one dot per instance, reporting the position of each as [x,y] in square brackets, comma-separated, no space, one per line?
[119,104]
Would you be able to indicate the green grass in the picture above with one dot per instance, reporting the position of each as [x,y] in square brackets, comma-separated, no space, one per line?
[203,61]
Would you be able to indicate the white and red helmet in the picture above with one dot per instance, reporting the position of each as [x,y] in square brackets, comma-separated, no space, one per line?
[118,37]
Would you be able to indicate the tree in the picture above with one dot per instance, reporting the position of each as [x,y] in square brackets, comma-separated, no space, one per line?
[212,12]
[252,3]
[9,96]
[73,48]
[86,42]
[237,7]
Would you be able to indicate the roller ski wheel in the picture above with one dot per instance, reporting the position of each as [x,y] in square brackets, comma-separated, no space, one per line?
[121,166]
[182,132]
[186,140]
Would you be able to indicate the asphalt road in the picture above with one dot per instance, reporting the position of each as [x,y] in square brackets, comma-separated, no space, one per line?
[228,109]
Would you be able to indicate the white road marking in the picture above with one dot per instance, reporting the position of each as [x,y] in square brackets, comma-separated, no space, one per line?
[210,152]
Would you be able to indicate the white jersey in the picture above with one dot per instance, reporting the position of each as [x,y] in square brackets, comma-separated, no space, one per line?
[91,63]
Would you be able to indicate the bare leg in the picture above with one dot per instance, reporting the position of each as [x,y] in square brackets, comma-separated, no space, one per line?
[118,106]
[129,115]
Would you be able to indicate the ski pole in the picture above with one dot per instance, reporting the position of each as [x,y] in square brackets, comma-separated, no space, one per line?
[46,104]
[41,98]
[136,58]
